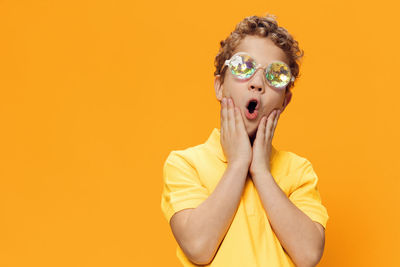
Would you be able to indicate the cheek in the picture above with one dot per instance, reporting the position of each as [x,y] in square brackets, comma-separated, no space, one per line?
[273,100]
[235,92]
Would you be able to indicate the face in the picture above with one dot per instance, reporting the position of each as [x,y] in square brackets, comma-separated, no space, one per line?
[264,51]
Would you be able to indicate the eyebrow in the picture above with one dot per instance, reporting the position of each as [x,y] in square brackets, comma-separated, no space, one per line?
[274,60]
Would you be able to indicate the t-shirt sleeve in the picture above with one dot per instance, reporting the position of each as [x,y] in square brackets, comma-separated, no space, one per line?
[182,188]
[307,197]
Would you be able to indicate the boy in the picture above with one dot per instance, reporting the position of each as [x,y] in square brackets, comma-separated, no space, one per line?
[235,200]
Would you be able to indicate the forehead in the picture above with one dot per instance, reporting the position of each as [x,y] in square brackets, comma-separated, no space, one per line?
[262,49]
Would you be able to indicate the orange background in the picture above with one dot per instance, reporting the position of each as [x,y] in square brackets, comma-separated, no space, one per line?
[95,94]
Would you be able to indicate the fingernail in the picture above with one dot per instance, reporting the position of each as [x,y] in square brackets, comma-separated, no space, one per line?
[223,100]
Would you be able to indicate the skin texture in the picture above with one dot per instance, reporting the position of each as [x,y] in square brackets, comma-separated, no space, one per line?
[264,51]
[247,146]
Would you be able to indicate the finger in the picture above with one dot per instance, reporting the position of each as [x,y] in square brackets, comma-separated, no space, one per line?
[224,116]
[220,114]
[276,117]
[270,122]
[239,120]
[231,115]
[236,121]
[261,130]
[278,112]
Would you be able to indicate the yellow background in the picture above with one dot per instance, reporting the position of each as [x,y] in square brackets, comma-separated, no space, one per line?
[95,94]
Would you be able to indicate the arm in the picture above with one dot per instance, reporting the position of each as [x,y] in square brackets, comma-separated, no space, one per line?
[200,231]
[297,233]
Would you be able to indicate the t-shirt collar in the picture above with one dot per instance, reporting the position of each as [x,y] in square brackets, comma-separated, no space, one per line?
[214,144]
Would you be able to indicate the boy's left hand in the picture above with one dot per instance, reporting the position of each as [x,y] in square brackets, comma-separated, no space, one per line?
[262,143]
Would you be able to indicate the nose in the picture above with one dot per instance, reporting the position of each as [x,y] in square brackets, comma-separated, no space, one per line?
[257,81]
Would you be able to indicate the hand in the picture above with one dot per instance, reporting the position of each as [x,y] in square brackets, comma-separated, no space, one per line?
[262,144]
[234,138]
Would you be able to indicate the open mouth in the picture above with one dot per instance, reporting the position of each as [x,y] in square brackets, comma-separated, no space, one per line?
[252,109]
[252,105]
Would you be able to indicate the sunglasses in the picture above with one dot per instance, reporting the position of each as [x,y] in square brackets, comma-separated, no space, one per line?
[243,66]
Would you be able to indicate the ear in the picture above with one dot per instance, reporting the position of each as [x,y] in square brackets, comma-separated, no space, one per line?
[218,87]
[288,97]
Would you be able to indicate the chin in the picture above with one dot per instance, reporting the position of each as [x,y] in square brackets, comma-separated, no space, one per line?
[251,132]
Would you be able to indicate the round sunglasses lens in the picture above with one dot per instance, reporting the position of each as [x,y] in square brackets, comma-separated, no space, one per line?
[242,66]
[278,74]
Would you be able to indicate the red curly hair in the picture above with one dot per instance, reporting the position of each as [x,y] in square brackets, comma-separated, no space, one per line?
[265,26]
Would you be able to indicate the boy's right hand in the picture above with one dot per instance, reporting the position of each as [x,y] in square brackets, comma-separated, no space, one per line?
[234,138]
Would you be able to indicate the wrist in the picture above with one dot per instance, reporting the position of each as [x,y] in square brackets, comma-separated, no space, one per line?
[239,165]
[260,172]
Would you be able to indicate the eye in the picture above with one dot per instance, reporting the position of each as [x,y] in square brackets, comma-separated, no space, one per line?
[278,74]
[242,66]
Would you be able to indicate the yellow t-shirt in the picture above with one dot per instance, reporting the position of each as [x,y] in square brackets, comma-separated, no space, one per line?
[191,175]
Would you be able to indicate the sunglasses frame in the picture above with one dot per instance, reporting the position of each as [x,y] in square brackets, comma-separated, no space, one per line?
[259,66]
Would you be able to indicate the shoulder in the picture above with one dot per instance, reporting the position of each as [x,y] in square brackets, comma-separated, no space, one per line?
[188,155]
[290,163]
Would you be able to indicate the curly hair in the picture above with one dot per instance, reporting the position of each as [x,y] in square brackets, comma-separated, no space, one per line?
[260,26]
